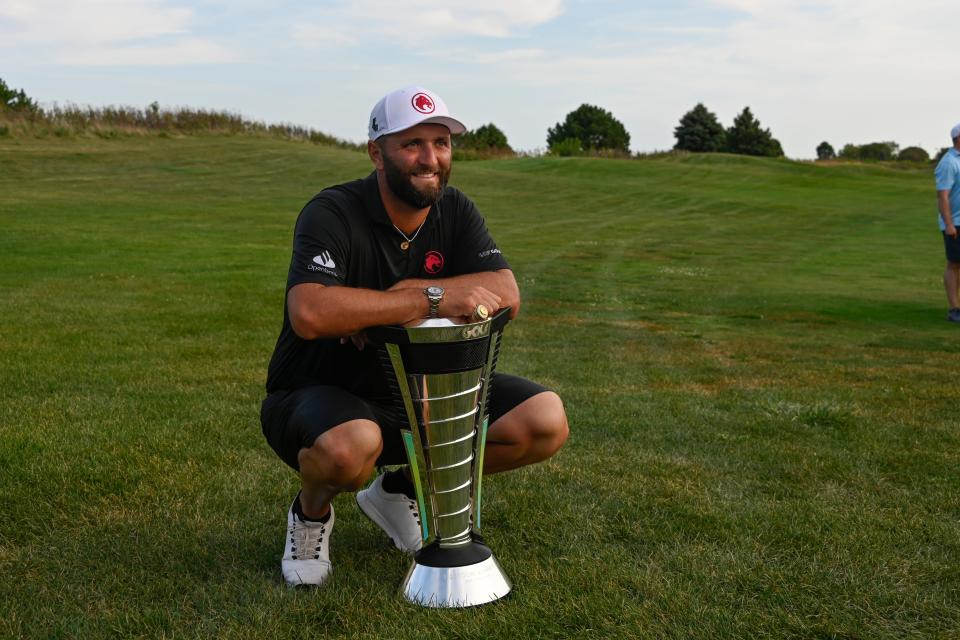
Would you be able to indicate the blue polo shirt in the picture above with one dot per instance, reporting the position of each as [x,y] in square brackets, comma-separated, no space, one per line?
[948,179]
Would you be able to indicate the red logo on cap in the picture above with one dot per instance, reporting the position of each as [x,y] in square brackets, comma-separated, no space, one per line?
[422,103]
[433,262]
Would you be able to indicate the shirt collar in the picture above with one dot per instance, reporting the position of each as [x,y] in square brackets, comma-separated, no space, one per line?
[375,209]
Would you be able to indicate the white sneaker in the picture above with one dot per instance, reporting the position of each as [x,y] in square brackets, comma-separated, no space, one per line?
[306,555]
[395,513]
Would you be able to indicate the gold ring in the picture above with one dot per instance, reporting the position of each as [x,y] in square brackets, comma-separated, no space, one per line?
[481,312]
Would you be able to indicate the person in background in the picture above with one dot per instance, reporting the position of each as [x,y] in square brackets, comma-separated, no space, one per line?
[948,202]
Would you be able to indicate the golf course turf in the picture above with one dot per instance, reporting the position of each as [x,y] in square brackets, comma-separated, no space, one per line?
[761,384]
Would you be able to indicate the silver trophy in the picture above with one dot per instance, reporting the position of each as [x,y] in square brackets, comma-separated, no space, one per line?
[442,373]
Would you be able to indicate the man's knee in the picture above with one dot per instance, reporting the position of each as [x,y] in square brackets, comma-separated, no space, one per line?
[344,452]
[554,427]
[545,422]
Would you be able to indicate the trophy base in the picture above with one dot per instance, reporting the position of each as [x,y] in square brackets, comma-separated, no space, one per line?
[433,582]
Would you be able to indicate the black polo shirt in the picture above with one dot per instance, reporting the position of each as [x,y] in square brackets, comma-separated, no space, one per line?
[343,237]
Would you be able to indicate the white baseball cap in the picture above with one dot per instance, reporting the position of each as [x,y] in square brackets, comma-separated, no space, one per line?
[955,131]
[408,107]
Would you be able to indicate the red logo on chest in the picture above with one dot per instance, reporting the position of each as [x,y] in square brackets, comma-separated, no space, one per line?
[433,262]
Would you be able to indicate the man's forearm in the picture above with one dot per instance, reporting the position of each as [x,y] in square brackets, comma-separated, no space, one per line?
[326,312]
[499,282]
[943,204]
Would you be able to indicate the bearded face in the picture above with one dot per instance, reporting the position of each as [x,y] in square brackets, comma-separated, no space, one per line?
[411,185]
[416,164]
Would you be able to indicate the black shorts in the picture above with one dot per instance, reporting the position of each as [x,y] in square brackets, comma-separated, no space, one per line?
[292,419]
[952,247]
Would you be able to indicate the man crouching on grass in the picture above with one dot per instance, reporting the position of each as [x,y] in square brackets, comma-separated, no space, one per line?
[391,248]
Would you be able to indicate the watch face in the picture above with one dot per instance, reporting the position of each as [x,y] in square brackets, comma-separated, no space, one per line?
[434,291]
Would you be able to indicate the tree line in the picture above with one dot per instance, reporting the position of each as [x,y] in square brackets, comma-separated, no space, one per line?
[700,131]
[592,130]
[876,151]
[587,130]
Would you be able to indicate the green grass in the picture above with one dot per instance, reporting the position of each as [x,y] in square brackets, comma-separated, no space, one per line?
[753,354]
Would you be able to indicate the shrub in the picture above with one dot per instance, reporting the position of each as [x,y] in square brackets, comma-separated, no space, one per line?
[699,130]
[15,99]
[482,143]
[825,151]
[567,147]
[485,138]
[941,153]
[4,131]
[593,127]
[879,151]
[913,154]
[872,151]
[747,137]
[850,152]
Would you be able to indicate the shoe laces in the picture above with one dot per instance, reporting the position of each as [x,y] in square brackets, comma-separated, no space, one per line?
[306,539]
[412,505]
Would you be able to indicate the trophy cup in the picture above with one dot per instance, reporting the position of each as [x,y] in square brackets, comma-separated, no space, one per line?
[440,374]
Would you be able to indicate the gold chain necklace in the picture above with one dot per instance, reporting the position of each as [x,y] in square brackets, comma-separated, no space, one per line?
[408,239]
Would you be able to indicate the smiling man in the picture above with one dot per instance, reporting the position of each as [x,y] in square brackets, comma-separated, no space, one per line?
[394,247]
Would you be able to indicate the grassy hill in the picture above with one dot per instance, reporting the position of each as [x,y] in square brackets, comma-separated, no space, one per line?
[753,353]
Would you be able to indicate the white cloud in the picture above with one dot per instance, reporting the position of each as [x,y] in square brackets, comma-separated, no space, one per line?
[316,36]
[423,23]
[427,20]
[183,51]
[107,33]
[91,22]
[508,55]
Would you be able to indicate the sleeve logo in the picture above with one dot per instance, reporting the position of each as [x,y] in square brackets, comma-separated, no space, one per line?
[325,260]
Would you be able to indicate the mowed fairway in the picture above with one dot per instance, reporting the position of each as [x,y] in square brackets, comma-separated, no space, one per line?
[761,384]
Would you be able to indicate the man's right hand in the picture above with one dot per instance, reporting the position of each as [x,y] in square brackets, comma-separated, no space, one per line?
[951,231]
[463,301]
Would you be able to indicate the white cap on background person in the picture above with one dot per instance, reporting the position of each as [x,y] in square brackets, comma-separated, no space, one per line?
[404,108]
[955,131]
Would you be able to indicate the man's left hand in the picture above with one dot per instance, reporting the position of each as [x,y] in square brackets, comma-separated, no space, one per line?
[359,340]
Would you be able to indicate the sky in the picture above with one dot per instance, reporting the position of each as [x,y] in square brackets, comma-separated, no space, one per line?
[847,71]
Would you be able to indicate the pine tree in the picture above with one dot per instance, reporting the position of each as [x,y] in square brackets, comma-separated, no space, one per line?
[15,99]
[747,137]
[699,130]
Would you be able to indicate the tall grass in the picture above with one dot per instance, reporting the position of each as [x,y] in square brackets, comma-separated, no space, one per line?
[113,120]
